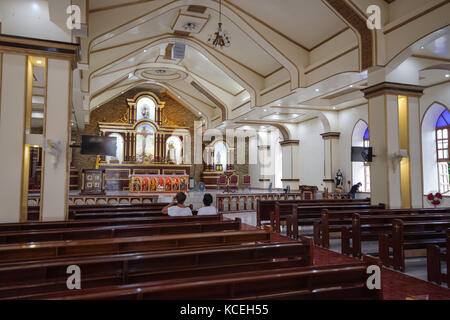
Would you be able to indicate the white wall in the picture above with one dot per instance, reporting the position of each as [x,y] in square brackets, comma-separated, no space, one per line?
[311,153]
[30,18]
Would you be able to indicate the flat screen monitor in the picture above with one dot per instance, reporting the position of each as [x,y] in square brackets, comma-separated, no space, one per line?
[98,146]
[360,154]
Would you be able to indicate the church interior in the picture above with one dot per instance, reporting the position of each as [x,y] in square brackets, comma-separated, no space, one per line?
[319,129]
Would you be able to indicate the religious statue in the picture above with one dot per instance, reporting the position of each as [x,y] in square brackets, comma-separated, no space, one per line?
[145,112]
[339,179]
[219,158]
[171,153]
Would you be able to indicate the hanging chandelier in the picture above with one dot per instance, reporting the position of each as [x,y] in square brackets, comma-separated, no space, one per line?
[220,38]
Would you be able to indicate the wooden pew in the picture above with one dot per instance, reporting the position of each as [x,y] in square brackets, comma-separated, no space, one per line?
[33,211]
[10,227]
[109,232]
[28,279]
[409,236]
[148,210]
[307,214]
[434,258]
[333,221]
[265,207]
[367,228]
[331,282]
[57,249]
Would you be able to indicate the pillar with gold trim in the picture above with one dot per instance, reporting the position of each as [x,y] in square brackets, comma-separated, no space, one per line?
[394,121]
[331,158]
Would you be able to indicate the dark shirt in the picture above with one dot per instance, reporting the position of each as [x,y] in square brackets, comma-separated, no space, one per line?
[354,189]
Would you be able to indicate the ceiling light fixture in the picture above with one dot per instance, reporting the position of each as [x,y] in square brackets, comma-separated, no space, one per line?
[190,26]
[447,75]
[317,90]
[220,38]
[39,61]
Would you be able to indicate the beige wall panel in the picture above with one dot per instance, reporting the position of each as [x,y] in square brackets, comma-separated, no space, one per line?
[12,114]
[378,172]
[55,185]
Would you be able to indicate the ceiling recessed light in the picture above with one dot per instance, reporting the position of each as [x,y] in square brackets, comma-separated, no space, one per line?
[447,75]
[422,47]
[265,110]
[334,108]
[200,113]
[317,90]
[39,61]
[351,86]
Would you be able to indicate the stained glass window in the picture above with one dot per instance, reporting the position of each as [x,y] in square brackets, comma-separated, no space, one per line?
[442,128]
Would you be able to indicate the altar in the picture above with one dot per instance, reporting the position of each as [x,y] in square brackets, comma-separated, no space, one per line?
[146,148]
[159,183]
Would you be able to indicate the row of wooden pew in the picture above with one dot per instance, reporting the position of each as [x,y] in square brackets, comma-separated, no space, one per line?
[77,212]
[397,230]
[160,257]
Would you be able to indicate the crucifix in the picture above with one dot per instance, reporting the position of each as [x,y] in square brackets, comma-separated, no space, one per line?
[144,135]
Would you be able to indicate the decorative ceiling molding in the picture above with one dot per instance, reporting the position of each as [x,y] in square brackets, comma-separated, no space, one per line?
[359,24]
[284,132]
[213,99]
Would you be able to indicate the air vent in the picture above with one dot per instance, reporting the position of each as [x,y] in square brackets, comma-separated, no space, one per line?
[178,51]
[197,9]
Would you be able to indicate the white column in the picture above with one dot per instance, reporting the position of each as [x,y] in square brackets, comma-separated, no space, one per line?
[57,128]
[12,136]
[331,158]
[290,150]
[388,137]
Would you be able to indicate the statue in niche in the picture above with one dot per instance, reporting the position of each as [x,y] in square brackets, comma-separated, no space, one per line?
[145,112]
[171,153]
[339,179]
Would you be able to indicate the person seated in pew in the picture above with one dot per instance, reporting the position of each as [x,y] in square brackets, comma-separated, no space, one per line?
[208,209]
[177,208]
[354,190]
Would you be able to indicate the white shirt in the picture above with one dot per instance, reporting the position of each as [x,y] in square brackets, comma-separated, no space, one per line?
[207,211]
[176,211]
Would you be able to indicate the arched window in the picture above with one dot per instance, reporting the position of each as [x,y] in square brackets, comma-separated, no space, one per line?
[366,142]
[361,170]
[442,133]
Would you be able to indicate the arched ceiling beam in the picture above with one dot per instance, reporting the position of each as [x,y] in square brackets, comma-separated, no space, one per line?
[358,23]
[226,11]
[233,70]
